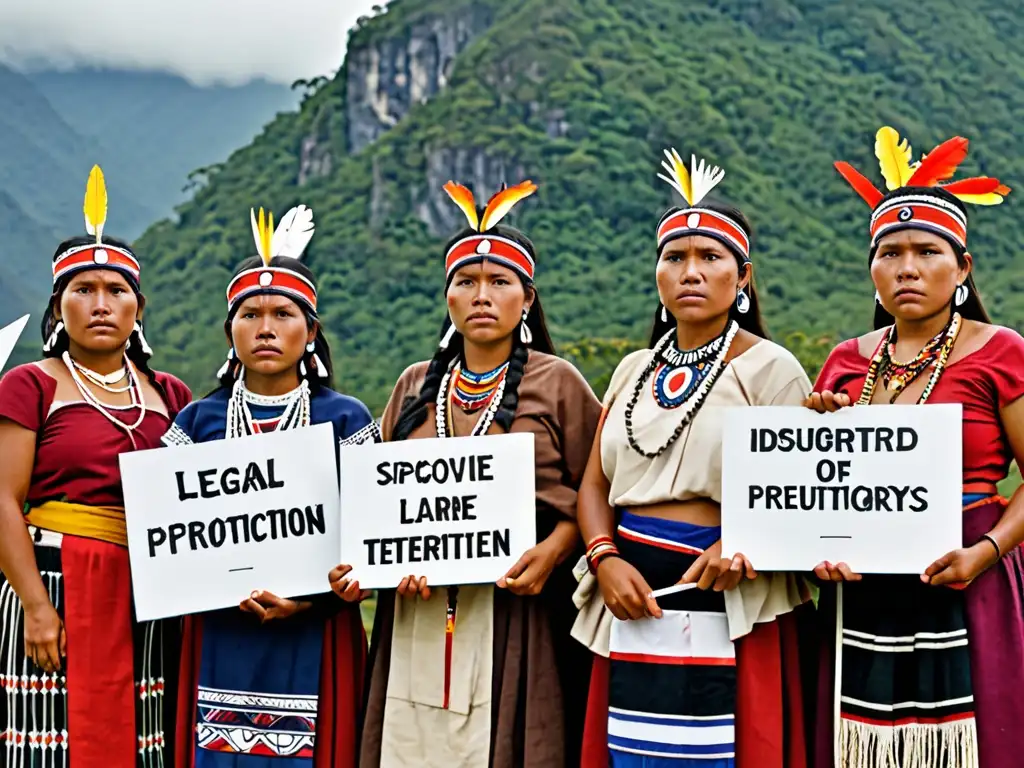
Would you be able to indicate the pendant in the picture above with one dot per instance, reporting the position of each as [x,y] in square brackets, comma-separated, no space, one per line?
[673,386]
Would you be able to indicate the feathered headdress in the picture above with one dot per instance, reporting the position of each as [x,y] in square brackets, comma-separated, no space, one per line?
[481,242]
[96,255]
[914,209]
[290,239]
[694,185]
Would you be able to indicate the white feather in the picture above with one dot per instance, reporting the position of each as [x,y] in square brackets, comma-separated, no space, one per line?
[293,233]
[256,234]
[672,183]
[703,178]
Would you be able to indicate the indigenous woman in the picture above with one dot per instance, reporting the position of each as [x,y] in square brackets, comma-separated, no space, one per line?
[82,680]
[477,675]
[278,682]
[930,669]
[704,676]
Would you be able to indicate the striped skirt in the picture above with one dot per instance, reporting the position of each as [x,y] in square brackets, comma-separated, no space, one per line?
[672,681]
[114,668]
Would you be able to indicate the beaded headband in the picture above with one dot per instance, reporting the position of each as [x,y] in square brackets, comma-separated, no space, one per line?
[289,240]
[480,245]
[914,209]
[694,185]
[98,255]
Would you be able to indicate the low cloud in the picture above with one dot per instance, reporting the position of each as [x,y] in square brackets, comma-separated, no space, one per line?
[228,41]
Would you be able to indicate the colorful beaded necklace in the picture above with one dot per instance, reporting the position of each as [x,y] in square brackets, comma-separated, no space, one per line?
[473,391]
[933,355]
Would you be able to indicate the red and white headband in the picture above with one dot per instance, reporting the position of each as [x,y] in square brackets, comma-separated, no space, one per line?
[480,245]
[289,239]
[914,209]
[694,185]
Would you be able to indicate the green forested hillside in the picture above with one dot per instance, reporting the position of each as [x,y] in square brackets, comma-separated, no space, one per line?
[581,96]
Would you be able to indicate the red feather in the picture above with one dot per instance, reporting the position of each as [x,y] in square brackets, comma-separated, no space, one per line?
[860,184]
[941,163]
[978,185]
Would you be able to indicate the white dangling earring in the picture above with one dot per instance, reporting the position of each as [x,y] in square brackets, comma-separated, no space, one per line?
[878,299]
[525,334]
[664,314]
[742,302]
[321,369]
[448,335]
[52,341]
[302,367]
[961,294]
[227,364]
[143,344]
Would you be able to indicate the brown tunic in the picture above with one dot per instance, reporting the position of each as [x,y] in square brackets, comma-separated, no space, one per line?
[531,656]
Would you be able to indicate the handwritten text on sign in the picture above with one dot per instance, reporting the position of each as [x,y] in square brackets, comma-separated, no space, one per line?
[875,487]
[209,523]
[456,510]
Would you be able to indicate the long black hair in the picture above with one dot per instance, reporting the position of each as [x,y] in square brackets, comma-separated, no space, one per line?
[414,409]
[749,321]
[321,348]
[973,308]
[139,358]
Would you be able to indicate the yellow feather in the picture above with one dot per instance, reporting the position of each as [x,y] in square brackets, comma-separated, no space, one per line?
[266,227]
[683,177]
[463,198]
[992,198]
[503,202]
[893,157]
[95,206]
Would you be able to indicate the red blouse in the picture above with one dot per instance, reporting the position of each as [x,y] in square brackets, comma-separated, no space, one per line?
[76,446]
[984,381]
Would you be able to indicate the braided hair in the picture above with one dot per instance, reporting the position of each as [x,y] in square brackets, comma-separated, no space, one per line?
[414,408]
[321,348]
[973,308]
[749,321]
[134,351]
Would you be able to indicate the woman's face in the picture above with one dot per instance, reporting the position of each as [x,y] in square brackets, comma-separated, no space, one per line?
[486,302]
[916,273]
[698,279]
[99,310]
[270,334]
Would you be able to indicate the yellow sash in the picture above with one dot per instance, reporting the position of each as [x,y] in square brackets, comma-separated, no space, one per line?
[103,523]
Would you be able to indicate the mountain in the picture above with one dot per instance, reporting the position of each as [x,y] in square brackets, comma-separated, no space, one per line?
[582,96]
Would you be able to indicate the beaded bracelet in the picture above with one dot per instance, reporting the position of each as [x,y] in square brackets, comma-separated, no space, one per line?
[595,560]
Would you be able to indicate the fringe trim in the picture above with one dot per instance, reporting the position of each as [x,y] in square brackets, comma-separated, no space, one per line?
[916,745]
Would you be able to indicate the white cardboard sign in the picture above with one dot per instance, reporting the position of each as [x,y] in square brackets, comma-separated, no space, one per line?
[457,510]
[209,523]
[878,488]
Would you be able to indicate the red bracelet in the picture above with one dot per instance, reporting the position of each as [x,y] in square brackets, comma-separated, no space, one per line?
[599,540]
[594,560]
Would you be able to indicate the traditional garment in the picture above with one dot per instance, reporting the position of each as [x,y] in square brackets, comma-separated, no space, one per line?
[285,693]
[965,662]
[108,706]
[758,614]
[513,669]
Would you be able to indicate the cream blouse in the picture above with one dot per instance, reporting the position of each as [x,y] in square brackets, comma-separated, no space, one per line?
[691,468]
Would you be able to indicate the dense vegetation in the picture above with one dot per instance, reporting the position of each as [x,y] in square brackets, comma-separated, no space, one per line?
[581,96]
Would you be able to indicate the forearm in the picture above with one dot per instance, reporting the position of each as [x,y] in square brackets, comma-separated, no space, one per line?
[18,558]
[563,539]
[1009,531]
[594,514]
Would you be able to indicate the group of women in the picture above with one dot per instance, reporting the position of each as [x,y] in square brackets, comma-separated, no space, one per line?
[623,637]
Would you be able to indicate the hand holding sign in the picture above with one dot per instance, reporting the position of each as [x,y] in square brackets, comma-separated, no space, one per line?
[711,570]
[827,402]
[345,588]
[268,606]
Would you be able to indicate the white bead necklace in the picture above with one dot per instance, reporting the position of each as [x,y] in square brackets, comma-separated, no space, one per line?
[134,389]
[296,411]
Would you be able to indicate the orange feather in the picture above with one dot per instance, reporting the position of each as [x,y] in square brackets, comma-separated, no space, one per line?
[463,198]
[503,202]
[941,163]
[976,185]
[860,184]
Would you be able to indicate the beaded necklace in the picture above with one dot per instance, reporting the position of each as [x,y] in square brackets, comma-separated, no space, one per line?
[240,423]
[442,419]
[473,391]
[680,373]
[696,394]
[934,354]
[135,392]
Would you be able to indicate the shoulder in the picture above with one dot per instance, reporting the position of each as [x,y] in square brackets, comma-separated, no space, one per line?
[768,371]
[540,364]
[768,354]
[626,371]
[343,405]
[32,374]
[197,416]
[413,376]
[178,393]
[1003,338]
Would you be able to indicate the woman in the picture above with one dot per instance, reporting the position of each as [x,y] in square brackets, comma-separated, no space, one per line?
[276,683]
[496,663]
[82,679]
[956,703]
[705,676]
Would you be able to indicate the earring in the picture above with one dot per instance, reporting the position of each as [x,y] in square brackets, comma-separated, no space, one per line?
[742,302]
[448,335]
[51,342]
[146,350]
[227,364]
[302,367]
[878,299]
[664,314]
[321,369]
[525,334]
[961,294]
[311,347]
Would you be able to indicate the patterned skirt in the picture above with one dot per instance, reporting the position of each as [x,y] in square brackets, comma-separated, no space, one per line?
[115,667]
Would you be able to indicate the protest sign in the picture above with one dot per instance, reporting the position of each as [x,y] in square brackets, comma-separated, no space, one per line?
[878,488]
[9,336]
[457,510]
[209,523]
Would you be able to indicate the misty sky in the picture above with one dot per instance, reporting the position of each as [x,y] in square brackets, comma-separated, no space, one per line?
[204,40]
